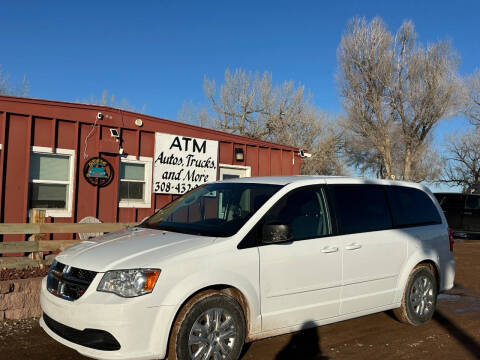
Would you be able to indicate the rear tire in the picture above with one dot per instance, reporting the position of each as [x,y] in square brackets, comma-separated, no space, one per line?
[208,325]
[419,297]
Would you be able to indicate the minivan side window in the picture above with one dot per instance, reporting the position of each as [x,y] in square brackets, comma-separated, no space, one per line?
[412,207]
[304,211]
[361,208]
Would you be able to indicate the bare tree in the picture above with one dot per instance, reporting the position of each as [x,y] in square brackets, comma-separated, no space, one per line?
[244,102]
[472,106]
[315,132]
[394,92]
[7,88]
[325,142]
[249,104]
[193,114]
[463,159]
[359,153]
[107,99]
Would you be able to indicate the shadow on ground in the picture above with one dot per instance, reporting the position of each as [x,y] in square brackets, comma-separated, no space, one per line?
[467,341]
[303,345]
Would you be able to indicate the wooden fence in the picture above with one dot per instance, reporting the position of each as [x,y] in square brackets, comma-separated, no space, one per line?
[37,243]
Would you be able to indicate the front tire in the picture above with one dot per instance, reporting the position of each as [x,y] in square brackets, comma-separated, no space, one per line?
[419,298]
[211,325]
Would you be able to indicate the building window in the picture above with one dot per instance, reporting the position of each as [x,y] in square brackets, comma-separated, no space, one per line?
[135,188]
[233,171]
[51,181]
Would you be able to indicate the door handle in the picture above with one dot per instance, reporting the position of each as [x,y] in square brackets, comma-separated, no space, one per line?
[353,246]
[467,213]
[329,249]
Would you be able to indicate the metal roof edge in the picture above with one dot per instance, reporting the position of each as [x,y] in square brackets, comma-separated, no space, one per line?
[145,116]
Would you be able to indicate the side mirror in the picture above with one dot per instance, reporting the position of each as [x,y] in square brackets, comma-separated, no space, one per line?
[276,233]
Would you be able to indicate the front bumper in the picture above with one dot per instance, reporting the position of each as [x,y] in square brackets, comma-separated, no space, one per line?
[141,329]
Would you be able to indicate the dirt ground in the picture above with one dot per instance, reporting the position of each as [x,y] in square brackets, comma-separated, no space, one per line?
[454,333]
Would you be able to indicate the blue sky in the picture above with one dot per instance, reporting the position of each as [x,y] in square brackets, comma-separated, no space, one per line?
[157,53]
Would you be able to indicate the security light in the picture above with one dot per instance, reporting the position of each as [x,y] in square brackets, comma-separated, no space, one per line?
[114,133]
[239,154]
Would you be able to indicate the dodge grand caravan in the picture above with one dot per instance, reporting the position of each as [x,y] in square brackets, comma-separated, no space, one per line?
[239,260]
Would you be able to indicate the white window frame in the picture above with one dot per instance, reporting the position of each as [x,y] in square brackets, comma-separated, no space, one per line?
[248,169]
[67,212]
[147,195]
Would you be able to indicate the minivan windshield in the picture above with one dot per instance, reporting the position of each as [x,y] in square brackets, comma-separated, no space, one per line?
[216,209]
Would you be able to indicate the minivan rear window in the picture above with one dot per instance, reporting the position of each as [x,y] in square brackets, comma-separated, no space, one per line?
[412,207]
[361,208]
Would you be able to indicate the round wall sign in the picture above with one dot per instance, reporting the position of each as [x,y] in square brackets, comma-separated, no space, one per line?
[98,171]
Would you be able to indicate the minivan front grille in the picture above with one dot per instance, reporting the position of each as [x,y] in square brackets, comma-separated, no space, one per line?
[68,282]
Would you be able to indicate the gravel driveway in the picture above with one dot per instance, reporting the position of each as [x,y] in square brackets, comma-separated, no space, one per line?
[454,333]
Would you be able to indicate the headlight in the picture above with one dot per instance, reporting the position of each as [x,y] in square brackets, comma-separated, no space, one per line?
[129,283]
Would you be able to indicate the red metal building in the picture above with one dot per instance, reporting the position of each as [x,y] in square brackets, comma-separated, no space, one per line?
[80,160]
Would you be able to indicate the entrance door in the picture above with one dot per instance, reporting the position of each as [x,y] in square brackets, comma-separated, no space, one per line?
[300,280]
[233,171]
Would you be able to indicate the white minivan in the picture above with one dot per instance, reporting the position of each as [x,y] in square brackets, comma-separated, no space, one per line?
[244,259]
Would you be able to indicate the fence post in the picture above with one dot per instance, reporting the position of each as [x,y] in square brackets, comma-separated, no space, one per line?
[37,216]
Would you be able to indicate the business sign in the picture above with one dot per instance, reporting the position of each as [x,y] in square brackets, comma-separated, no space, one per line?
[98,172]
[183,163]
